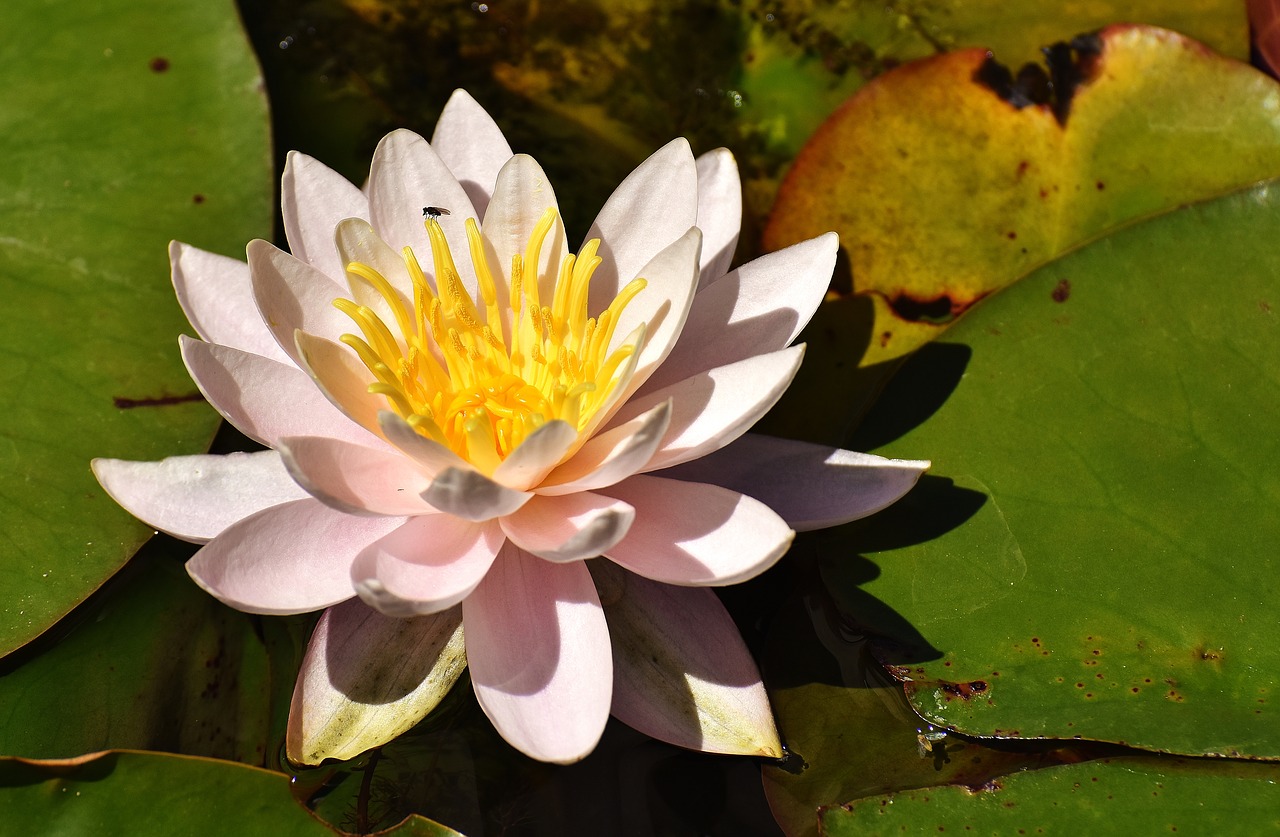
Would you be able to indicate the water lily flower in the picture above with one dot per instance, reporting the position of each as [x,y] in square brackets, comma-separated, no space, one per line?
[487,451]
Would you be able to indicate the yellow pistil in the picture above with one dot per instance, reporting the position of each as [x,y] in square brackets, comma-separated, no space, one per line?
[479,376]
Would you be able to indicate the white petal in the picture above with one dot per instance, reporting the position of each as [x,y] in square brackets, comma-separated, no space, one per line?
[471,145]
[810,486]
[355,479]
[427,565]
[719,212]
[694,534]
[681,672]
[431,456]
[472,496]
[569,528]
[539,653]
[758,308]
[216,294]
[357,242]
[611,456]
[541,451]
[655,205]
[715,407]
[313,199]
[196,497]
[341,377]
[293,295]
[367,678]
[290,558]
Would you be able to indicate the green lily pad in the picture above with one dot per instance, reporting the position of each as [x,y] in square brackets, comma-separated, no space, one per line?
[124,126]
[1111,796]
[945,186]
[156,794]
[1094,551]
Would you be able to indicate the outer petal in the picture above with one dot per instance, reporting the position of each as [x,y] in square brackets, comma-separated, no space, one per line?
[264,399]
[715,407]
[313,199]
[406,175]
[291,558]
[810,486]
[427,565]
[355,479]
[293,295]
[541,451]
[471,145]
[216,294]
[611,456]
[539,653]
[472,496]
[681,672]
[367,678]
[695,534]
[719,212]
[196,497]
[655,205]
[569,528]
[758,308]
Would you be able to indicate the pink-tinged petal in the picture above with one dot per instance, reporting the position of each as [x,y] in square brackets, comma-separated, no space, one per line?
[472,145]
[290,558]
[357,242]
[472,496]
[341,377]
[534,458]
[265,400]
[694,534]
[427,565]
[196,497]
[681,672]
[293,295]
[522,193]
[810,486]
[313,199]
[612,456]
[719,212]
[216,294]
[569,528]
[405,176]
[715,407]
[760,307]
[355,479]
[654,206]
[431,456]
[539,653]
[663,306]
[367,678]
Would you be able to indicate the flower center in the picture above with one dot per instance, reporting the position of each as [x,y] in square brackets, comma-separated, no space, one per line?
[480,383]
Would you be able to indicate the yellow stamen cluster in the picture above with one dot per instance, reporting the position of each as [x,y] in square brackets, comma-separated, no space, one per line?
[480,383]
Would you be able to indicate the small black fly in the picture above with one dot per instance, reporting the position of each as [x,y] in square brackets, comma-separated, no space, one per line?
[434,211]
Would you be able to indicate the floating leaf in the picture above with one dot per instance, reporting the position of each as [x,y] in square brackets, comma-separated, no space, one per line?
[124,126]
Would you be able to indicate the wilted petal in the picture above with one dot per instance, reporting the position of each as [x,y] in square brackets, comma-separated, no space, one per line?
[293,295]
[758,308]
[471,495]
[681,672]
[427,565]
[264,399]
[719,212]
[695,534]
[290,558]
[354,478]
[713,408]
[196,497]
[810,486]
[653,207]
[570,528]
[216,294]
[472,145]
[539,653]
[611,456]
[313,199]
[541,451]
[366,678]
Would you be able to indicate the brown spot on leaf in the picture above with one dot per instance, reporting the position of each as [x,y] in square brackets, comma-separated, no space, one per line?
[1062,291]
[159,64]
[963,691]
[197,198]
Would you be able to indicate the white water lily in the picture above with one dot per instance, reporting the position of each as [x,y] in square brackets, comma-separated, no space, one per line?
[489,452]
